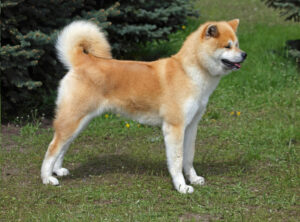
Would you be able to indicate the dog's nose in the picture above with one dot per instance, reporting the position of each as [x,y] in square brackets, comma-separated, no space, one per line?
[244,55]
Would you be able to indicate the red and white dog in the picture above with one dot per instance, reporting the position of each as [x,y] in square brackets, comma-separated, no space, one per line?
[172,92]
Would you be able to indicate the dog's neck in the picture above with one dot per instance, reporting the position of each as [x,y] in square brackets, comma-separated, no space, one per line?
[205,83]
[196,71]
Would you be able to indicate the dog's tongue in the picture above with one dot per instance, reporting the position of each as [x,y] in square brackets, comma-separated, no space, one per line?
[238,65]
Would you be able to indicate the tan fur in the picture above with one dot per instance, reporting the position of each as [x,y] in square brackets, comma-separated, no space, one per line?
[150,90]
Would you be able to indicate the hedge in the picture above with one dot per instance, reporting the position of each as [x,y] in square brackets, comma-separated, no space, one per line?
[30,70]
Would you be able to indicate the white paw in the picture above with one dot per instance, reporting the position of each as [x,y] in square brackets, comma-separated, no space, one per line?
[50,180]
[61,172]
[198,180]
[185,189]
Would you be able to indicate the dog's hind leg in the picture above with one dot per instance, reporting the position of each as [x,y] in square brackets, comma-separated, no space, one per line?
[52,153]
[58,169]
[66,130]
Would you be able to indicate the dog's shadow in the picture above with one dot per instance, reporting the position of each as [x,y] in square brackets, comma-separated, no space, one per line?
[125,163]
[116,163]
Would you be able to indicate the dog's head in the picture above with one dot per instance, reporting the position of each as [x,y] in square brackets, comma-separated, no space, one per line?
[219,50]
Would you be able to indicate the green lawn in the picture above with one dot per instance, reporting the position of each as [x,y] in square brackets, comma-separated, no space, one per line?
[250,159]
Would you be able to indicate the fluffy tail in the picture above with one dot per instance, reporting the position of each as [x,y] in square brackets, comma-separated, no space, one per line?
[79,39]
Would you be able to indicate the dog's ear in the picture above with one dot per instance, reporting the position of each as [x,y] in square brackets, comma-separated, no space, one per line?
[212,31]
[234,24]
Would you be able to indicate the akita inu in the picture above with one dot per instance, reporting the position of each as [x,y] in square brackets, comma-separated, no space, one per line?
[172,92]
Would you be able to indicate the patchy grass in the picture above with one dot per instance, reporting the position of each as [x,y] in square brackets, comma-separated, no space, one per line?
[118,173]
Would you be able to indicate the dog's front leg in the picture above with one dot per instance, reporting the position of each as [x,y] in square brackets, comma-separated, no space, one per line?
[174,139]
[189,152]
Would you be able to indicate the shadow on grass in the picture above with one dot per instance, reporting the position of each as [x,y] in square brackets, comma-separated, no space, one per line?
[124,163]
[120,163]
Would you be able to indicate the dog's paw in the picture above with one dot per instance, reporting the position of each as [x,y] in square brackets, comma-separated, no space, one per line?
[61,172]
[50,180]
[198,180]
[185,189]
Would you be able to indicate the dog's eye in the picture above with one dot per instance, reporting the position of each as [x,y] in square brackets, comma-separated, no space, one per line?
[228,46]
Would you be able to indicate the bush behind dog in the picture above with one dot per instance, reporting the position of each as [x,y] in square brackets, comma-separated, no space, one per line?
[29,67]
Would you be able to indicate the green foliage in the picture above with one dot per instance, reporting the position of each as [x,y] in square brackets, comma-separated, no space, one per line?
[290,9]
[141,21]
[293,47]
[250,161]
[29,67]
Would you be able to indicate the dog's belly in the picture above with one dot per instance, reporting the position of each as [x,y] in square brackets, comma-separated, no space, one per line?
[139,111]
[146,118]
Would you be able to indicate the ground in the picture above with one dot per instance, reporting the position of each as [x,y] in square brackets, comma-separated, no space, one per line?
[247,145]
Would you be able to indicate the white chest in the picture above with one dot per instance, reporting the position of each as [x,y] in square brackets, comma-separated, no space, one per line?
[204,86]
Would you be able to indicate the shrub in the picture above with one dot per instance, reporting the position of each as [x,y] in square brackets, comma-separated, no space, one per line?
[289,8]
[141,21]
[29,67]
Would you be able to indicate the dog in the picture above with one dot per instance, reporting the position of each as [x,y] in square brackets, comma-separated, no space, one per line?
[172,92]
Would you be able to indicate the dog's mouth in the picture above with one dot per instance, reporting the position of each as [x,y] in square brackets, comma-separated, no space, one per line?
[231,65]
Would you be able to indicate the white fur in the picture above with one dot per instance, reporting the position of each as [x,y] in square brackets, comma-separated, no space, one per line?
[64,88]
[61,171]
[54,163]
[204,87]
[75,33]
[149,118]
[213,62]
[180,151]
[189,150]
[230,55]
[174,153]
[179,141]
[46,171]
[50,180]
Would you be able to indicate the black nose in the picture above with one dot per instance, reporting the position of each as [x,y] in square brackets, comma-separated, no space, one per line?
[244,55]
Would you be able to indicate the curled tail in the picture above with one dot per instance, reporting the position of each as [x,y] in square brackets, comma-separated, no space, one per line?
[79,39]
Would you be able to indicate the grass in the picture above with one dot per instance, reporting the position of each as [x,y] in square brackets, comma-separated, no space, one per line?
[118,172]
